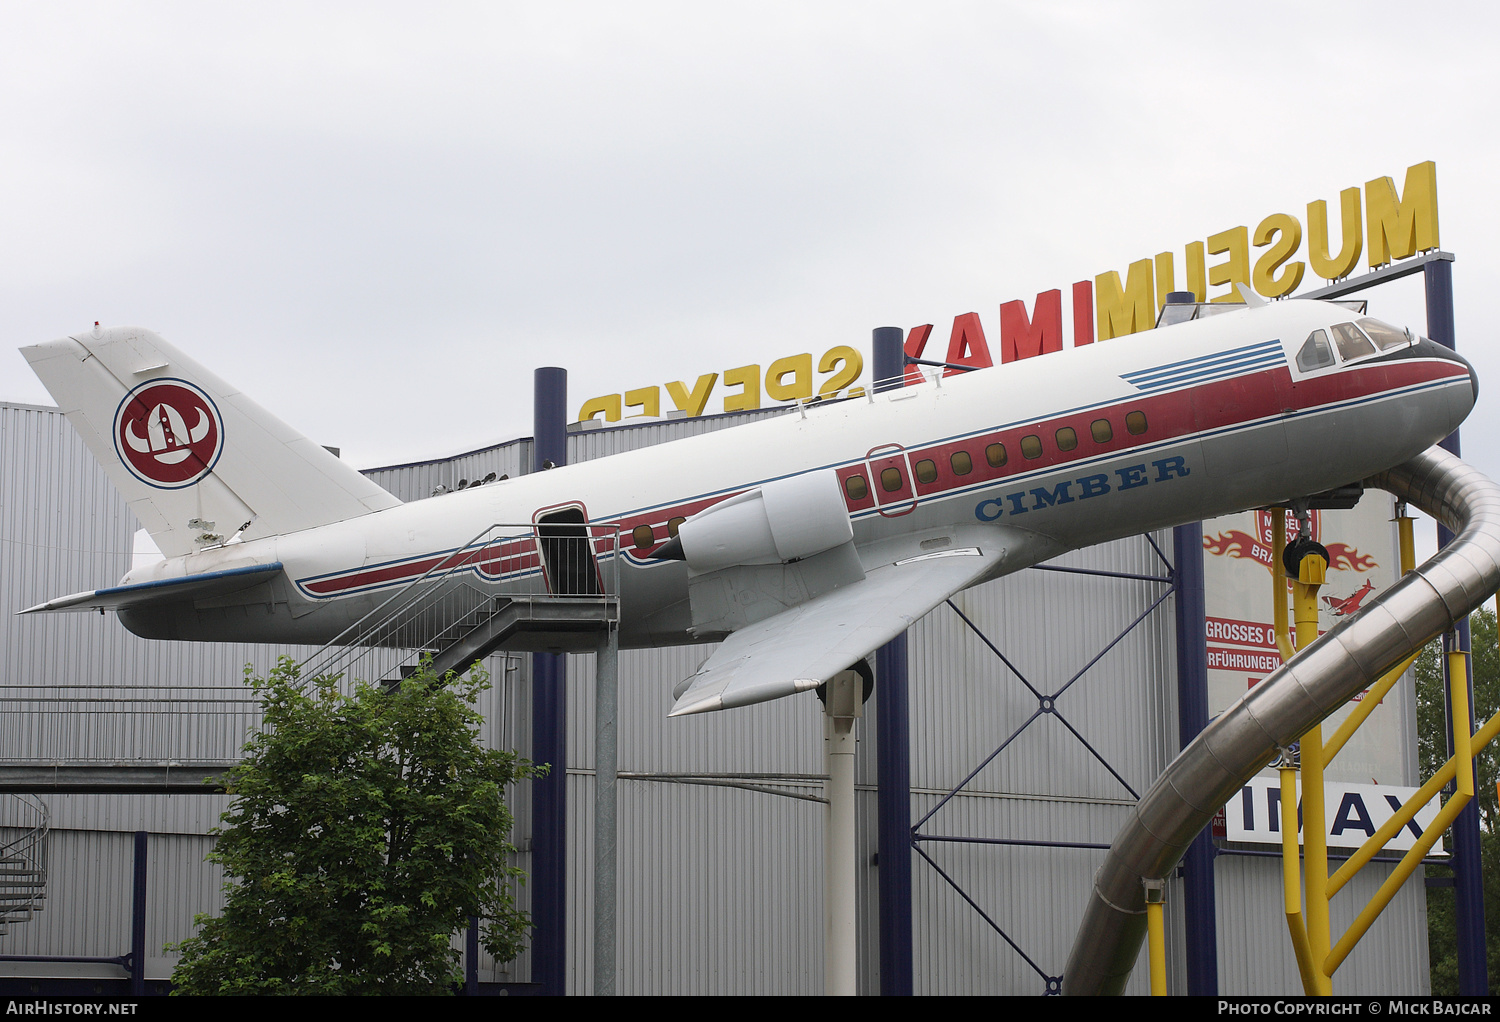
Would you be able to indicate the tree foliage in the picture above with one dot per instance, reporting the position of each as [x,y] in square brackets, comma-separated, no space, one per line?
[1432,745]
[364,831]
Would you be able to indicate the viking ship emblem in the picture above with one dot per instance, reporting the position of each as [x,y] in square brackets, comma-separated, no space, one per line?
[168,432]
[167,438]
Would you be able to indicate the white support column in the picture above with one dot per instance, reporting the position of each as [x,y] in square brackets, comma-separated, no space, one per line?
[840,865]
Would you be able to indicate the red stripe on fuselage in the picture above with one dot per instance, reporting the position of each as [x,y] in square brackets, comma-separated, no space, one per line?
[1169,416]
[1172,415]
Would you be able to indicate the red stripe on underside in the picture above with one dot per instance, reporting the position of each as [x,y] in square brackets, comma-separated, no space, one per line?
[495,559]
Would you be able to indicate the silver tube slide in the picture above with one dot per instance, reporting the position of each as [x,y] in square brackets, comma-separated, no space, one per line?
[1275,713]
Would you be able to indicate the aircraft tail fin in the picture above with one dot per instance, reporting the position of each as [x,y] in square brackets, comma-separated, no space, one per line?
[196,459]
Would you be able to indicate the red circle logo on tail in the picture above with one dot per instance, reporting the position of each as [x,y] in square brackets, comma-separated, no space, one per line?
[168,433]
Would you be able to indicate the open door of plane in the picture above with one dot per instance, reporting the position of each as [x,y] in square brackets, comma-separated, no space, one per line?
[568,559]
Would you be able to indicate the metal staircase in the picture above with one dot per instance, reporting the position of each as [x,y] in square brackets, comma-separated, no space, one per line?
[550,585]
[24,823]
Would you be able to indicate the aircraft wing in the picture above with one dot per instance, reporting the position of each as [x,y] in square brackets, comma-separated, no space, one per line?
[167,590]
[803,646]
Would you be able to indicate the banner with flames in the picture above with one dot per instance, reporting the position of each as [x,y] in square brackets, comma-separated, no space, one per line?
[1239,576]
[1236,543]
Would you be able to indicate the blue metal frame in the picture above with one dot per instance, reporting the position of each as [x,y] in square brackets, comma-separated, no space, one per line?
[138,918]
[893,748]
[1184,578]
[1046,704]
[1200,911]
[893,751]
[549,734]
[1054,983]
[134,961]
[1468,867]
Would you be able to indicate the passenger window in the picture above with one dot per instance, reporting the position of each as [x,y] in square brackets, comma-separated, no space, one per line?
[1031,446]
[995,455]
[673,525]
[1102,430]
[1316,352]
[890,479]
[926,471]
[1384,335]
[856,487]
[1135,423]
[962,463]
[1352,344]
[643,535]
[1067,438]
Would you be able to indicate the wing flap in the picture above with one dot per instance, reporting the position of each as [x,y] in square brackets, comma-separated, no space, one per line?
[804,646]
[167,590]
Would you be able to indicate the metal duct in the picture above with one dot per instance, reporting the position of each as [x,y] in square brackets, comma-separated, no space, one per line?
[1275,713]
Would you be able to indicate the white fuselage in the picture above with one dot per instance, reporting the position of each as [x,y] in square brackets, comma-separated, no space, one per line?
[1072,449]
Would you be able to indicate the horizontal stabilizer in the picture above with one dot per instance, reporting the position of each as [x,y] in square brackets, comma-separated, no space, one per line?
[162,591]
[804,646]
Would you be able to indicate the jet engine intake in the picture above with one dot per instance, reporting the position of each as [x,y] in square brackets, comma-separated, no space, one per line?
[784,520]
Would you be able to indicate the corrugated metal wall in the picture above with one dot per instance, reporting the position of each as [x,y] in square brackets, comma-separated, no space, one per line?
[720,885]
[79,688]
[419,479]
[1045,785]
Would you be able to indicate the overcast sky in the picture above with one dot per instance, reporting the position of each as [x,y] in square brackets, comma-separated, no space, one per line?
[378,219]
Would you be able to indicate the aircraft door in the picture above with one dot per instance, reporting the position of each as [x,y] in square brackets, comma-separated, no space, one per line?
[891,480]
[567,549]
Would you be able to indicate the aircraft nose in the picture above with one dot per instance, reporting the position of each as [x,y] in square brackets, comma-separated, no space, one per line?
[1426,348]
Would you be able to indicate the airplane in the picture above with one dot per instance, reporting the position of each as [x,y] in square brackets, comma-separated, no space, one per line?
[804,541]
[1347,605]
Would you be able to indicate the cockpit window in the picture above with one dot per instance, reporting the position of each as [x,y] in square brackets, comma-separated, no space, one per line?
[1352,344]
[1316,353]
[1384,335]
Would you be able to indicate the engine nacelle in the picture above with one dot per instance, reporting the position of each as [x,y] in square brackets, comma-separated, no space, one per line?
[784,520]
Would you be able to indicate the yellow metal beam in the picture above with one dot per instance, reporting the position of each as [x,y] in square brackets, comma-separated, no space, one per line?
[1291,881]
[1408,546]
[1156,934]
[1458,696]
[1311,942]
[1375,842]
[1311,574]
[1409,862]
[1463,774]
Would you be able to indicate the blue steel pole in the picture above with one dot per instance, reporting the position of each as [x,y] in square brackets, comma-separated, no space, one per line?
[549,733]
[888,358]
[893,745]
[894,781]
[1468,873]
[1199,909]
[138,919]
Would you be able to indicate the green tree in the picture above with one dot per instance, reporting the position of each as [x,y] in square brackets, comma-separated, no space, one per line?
[364,831]
[1432,745]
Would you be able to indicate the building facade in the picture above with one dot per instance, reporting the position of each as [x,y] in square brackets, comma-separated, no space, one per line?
[720,827]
